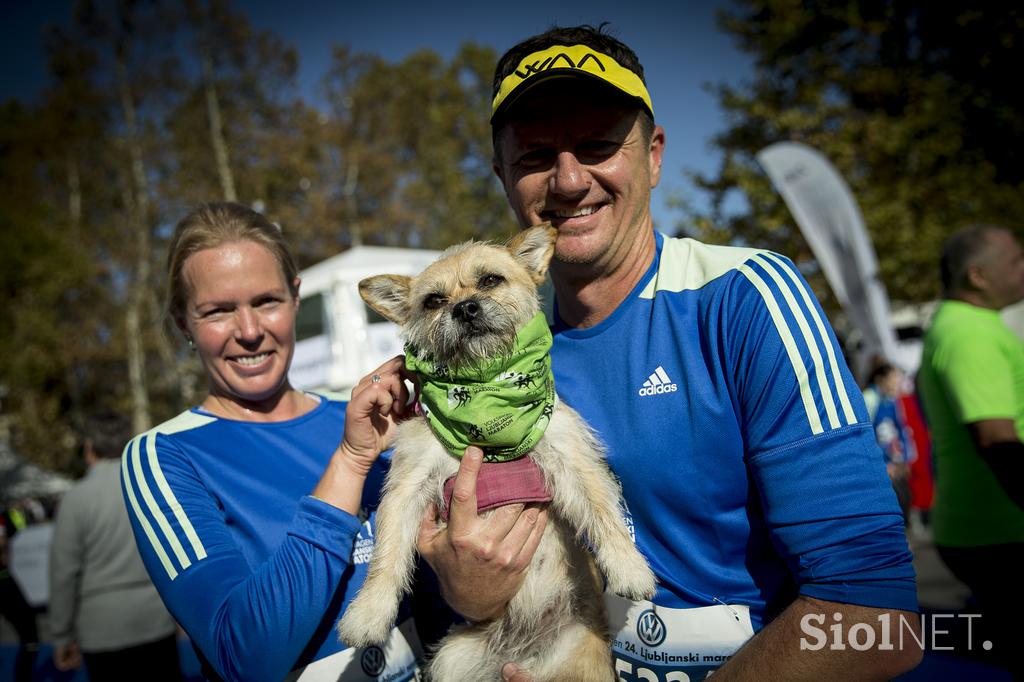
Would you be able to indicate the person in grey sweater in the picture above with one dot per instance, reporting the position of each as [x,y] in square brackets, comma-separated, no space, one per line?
[103,607]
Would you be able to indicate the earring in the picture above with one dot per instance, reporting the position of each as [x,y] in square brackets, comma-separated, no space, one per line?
[191,344]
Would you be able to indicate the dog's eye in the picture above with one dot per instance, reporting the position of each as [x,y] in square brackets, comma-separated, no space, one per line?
[434,301]
[490,281]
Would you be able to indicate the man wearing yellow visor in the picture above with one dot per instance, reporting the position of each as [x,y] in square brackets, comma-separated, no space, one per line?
[753,482]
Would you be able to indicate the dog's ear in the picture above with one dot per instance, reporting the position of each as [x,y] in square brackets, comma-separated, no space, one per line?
[388,295]
[533,248]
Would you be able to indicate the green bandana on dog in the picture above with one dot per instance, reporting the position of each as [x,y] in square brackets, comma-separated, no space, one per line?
[503,405]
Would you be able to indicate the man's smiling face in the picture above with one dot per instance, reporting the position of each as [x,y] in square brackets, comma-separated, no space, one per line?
[571,156]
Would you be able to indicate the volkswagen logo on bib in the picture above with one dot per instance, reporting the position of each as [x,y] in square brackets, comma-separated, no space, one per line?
[650,628]
[372,661]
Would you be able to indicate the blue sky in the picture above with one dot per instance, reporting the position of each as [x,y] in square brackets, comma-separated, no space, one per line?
[678,43]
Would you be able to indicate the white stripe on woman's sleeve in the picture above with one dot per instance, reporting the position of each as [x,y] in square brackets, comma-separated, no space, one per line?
[133,501]
[172,501]
[154,509]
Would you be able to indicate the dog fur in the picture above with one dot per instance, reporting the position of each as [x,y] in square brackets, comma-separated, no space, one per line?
[555,627]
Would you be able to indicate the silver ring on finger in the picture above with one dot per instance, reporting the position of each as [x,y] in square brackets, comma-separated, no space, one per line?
[375,378]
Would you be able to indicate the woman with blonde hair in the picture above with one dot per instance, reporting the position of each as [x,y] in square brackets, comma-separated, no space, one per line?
[254,511]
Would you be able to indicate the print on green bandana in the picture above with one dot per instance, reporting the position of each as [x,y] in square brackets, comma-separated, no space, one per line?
[503,405]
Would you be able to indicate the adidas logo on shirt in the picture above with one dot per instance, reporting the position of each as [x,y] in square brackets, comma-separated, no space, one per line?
[658,383]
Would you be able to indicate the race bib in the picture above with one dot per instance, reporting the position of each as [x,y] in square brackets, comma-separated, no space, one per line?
[393,662]
[660,644]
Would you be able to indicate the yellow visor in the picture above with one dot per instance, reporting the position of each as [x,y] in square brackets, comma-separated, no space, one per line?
[568,60]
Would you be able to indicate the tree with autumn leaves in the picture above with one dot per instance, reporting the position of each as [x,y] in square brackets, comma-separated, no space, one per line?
[156,105]
[914,102]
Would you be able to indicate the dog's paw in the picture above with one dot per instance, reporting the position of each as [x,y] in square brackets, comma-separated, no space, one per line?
[635,589]
[633,579]
[362,625]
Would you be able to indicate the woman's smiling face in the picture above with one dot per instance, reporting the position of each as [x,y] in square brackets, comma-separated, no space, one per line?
[241,317]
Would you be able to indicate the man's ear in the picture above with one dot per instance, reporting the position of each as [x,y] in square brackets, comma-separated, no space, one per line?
[976,278]
[657,154]
[388,295]
[533,248]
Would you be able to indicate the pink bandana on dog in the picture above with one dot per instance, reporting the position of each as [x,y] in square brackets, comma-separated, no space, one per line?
[501,483]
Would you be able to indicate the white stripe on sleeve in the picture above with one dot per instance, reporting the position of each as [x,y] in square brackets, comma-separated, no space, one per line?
[172,501]
[147,528]
[790,344]
[161,520]
[844,398]
[812,344]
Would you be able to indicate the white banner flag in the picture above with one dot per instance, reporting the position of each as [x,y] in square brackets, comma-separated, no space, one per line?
[830,220]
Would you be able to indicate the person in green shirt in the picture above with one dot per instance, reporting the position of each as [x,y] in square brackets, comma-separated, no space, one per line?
[971,384]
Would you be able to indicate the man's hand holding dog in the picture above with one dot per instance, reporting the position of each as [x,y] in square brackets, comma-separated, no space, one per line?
[480,560]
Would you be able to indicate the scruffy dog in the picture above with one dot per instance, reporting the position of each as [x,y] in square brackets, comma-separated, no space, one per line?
[467,314]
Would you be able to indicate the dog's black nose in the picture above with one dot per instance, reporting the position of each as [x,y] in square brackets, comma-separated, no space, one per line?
[467,310]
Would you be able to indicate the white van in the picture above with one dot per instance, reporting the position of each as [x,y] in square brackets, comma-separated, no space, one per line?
[338,338]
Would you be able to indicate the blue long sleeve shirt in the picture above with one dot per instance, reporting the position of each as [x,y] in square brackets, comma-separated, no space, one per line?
[255,570]
[747,459]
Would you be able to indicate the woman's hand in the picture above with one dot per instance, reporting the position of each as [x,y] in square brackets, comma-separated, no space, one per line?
[372,414]
[379,402]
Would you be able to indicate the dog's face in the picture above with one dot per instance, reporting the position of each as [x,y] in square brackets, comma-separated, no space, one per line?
[470,303]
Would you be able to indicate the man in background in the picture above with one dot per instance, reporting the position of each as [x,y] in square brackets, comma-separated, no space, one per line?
[971,384]
[102,603]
